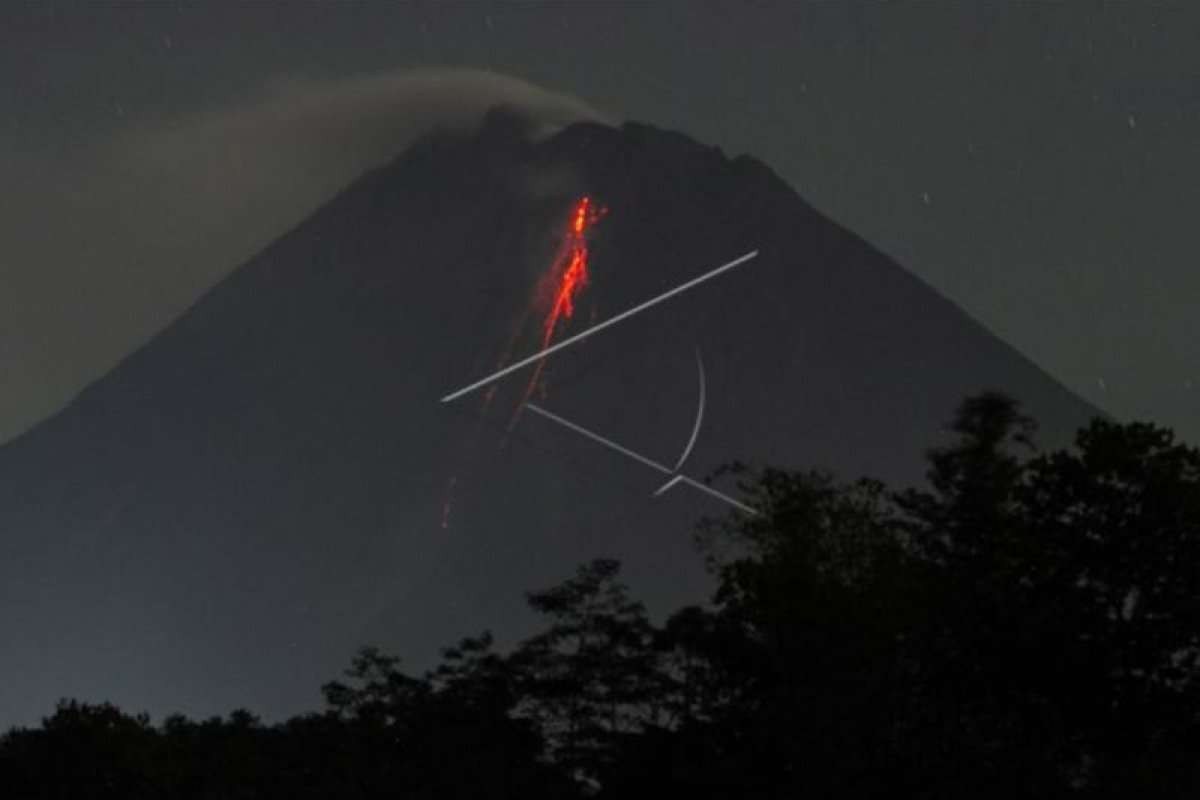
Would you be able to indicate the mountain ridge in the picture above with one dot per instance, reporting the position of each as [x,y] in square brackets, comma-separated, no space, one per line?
[271,481]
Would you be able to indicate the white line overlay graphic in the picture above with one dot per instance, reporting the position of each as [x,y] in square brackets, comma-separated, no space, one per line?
[570,340]
[625,451]
[699,416]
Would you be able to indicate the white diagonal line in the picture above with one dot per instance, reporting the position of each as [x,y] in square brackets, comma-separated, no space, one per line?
[566,423]
[570,340]
[721,495]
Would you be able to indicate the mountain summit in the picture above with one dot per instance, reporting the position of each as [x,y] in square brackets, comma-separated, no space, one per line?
[273,480]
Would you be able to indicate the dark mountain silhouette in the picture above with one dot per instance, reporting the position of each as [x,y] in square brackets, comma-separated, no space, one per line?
[272,481]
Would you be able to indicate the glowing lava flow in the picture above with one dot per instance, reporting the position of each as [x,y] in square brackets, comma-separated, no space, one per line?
[556,292]
[567,277]
[575,276]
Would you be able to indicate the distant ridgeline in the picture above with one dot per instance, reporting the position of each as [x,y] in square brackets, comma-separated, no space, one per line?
[273,480]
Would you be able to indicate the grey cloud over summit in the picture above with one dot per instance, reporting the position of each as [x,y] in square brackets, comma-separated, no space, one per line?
[145,221]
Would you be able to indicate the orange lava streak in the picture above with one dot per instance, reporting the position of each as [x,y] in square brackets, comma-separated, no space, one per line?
[568,276]
[575,276]
[556,294]
[573,281]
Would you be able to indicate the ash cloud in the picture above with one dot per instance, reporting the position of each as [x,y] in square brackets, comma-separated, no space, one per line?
[103,248]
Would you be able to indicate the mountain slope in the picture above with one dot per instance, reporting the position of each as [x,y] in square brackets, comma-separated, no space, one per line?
[272,481]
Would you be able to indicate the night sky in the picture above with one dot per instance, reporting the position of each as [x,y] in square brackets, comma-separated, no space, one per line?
[1035,163]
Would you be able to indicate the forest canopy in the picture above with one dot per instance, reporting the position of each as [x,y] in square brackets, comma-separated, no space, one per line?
[1026,624]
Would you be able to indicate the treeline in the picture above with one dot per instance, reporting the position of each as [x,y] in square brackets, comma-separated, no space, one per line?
[1028,626]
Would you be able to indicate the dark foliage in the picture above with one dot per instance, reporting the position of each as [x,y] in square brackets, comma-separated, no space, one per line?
[1026,626]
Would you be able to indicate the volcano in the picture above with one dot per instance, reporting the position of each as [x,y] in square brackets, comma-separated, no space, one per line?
[273,480]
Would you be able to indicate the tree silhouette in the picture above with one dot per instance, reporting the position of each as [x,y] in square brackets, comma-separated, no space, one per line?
[1119,526]
[1024,625]
[88,750]
[591,677]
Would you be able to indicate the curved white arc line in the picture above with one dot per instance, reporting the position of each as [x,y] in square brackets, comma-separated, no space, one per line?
[699,416]
[677,479]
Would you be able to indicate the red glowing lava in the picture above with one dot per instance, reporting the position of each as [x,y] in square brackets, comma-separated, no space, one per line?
[570,269]
[566,278]
[554,300]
